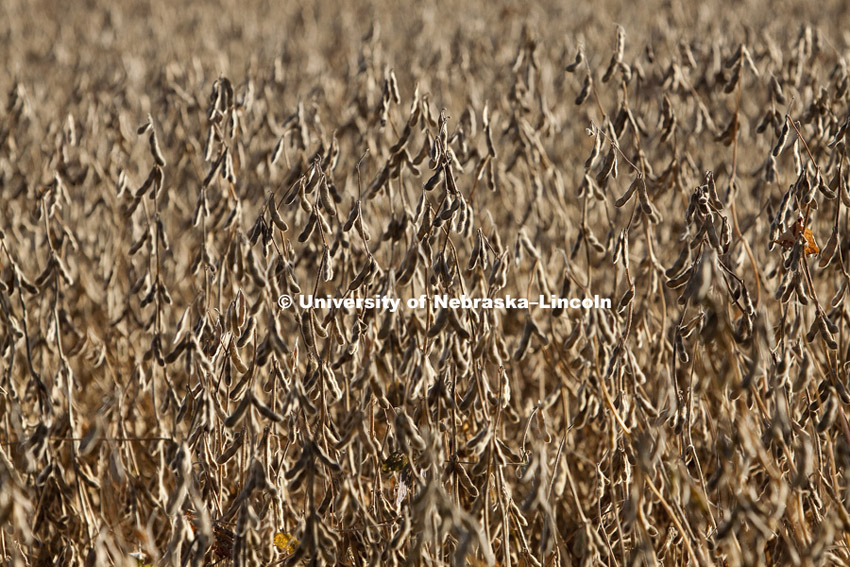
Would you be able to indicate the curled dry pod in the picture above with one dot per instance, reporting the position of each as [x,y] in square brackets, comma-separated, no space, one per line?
[408,266]
[434,179]
[645,204]
[321,331]
[426,225]
[681,353]
[576,62]
[476,251]
[524,341]
[626,300]
[465,481]
[162,236]
[593,241]
[829,413]
[783,138]
[157,177]
[361,277]
[677,282]
[814,330]
[458,326]
[308,229]
[829,251]
[784,291]
[733,80]
[246,334]
[239,412]
[394,87]
[144,279]
[387,324]
[608,165]
[802,295]
[478,442]
[594,153]
[136,247]
[178,350]
[439,323]
[770,169]
[825,333]
[266,411]
[276,218]
[156,152]
[237,361]
[825,189]
[609,71]
[352,217]
[585,90]
[725,235]
[147,184]
[844,190]
[276,152]
[214,170]
[303,201]
[361,229]
[323,223]
[294,192]
[327,265]
[148,125]
[325,197]
[257,230]
[838,299]
[331,381]
[683,257]
[830,325]
[232,448]
[633,186]
[307,329]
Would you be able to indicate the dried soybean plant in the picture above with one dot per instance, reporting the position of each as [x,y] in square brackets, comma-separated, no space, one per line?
[163,403]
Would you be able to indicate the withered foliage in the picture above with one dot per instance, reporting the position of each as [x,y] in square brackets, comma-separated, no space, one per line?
[168,171]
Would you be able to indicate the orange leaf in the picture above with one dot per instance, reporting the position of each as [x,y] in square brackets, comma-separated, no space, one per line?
[811,245]
[285,542]
[788,238]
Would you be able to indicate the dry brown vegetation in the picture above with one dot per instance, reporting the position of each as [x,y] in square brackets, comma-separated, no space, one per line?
[167,171]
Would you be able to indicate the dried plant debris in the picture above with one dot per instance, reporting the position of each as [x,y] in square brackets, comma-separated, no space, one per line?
[176,179]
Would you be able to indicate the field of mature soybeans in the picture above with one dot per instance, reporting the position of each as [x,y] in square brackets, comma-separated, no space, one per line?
[169,171]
